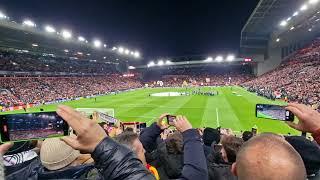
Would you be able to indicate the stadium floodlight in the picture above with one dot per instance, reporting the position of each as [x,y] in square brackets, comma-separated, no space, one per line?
[131,53]
[295,13]
[136,54]
[289,18]
[310,29]
[105,45]
[81,39]
[304,7]
[114,48]
[97,43]
[160,63]
[2,15]
[131,67]
[292,28]
[219,58]
[121,50]
[283,23]
[209,59]
[127,51]
[168,62]
[313,1]
[29,23]
[151,64]
[50,29]
[230,57]
[104,57]
[66,34]
[278,39]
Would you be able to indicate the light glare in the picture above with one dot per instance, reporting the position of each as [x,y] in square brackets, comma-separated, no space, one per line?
[136,54]
[29,23]
[50,29]
[230,57]
[66,34]
[81,39]
[304,7]
[219,58]
[97,43]
[283,23]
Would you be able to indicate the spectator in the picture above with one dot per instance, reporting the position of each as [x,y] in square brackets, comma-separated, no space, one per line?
[309,152]
[111,158]
[131,140]
[62,161]
[210,136]
[194,162]
[268,156]
[221,159]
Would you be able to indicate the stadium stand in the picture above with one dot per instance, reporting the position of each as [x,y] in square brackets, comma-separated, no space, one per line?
[164,150]
[296,79]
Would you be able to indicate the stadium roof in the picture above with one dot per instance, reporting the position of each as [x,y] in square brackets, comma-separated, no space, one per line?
[263,22]
[19,37]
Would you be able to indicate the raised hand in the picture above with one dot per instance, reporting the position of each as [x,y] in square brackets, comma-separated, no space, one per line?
[89,133]
[309,119]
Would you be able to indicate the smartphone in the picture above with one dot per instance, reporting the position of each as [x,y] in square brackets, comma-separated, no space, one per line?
[170,119]
[32,126]
[274,112]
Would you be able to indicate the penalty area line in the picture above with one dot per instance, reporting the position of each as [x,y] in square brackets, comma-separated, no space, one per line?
[217,113]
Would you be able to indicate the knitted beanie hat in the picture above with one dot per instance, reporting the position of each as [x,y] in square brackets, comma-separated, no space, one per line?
[56,154]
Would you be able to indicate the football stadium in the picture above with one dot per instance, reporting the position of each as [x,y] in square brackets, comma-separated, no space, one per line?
[74,106]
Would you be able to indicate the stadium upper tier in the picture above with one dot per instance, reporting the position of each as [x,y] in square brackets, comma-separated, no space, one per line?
[297,78]
[27,62]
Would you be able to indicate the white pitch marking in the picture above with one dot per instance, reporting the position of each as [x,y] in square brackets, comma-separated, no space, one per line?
[217,113]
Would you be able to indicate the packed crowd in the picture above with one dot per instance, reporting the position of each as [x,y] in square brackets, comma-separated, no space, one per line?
[296,79]
[163,152]
[37,90]
[25,62]
[200,76]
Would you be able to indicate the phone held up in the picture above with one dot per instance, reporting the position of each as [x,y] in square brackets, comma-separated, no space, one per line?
[170,119]
[32,126]
[274,112]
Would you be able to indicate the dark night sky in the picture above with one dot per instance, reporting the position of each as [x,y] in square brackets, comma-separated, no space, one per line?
[158,28]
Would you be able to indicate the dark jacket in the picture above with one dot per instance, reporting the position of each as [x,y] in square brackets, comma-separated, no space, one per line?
[194,161]
[218,169]
[33,170]
[115,161]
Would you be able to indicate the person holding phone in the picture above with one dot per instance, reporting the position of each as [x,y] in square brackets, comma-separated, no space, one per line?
[193,165]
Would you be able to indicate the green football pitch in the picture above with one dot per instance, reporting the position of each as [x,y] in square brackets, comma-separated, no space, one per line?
[233,108]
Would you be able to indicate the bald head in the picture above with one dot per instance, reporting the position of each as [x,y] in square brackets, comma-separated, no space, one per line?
[269,157]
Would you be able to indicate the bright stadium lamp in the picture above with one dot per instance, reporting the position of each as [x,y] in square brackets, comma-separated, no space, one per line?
[66,34]
[230,57]
[304,7]
[289,18]
[295,13]
[114,48]
[121,50]
[292,28]
[160,63]
[29,23]
[219,58]
[131,67]
[313,1]
[81,39]
[97,43]
[2,15]
[283,23]
[127,51]
[151,64]
[209,59]
[168,62]
[278,40]
[136,54]
[50,29]
[105,45]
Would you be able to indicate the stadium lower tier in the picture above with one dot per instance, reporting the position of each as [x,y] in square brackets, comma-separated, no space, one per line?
[228,107]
